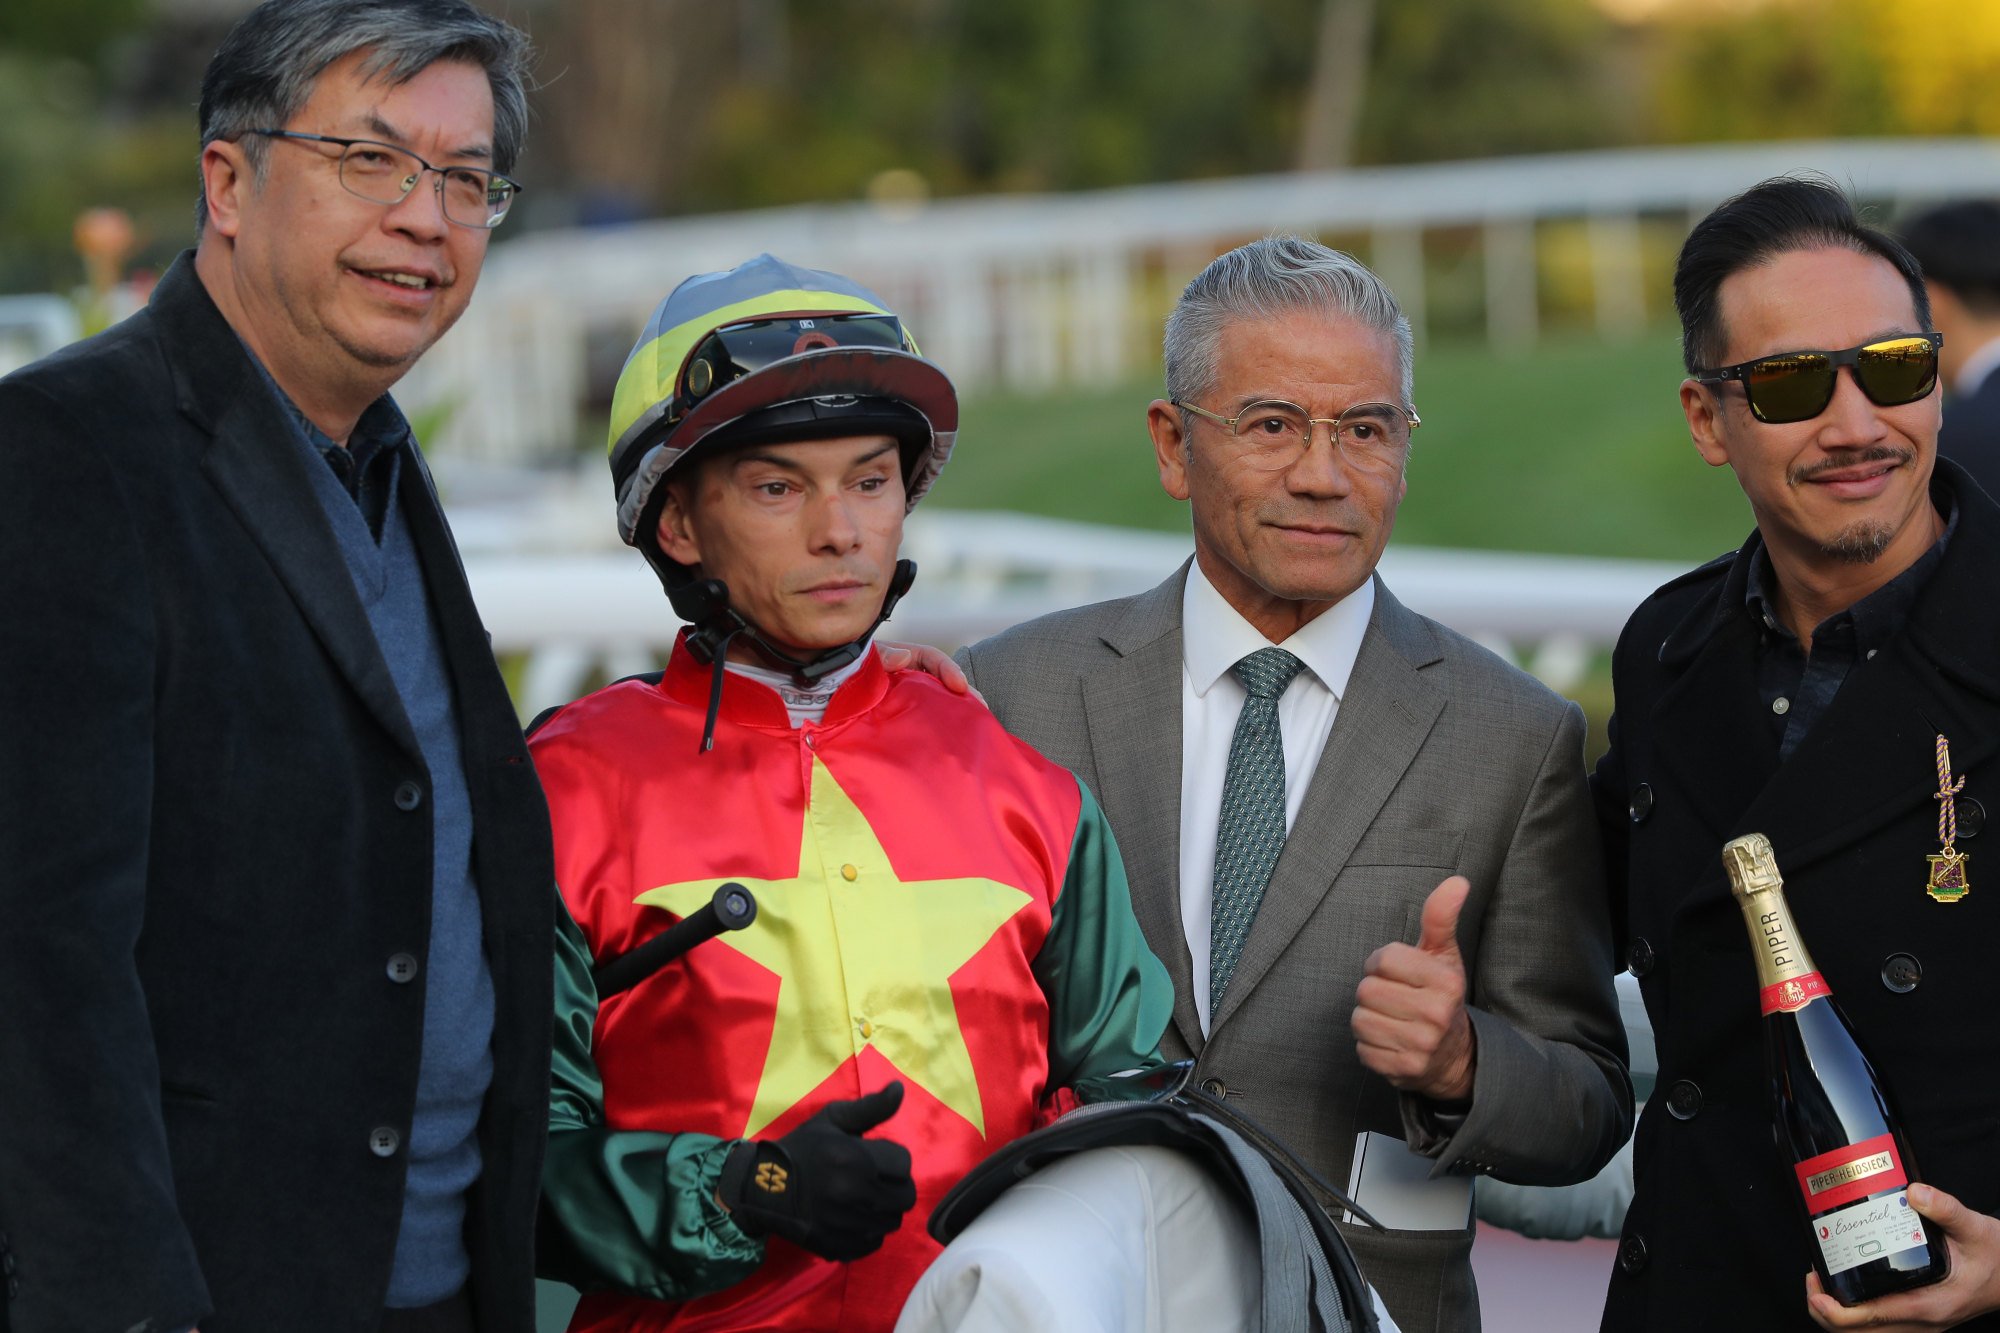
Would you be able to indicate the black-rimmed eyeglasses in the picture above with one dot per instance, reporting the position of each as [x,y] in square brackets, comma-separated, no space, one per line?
[382,173]
[1797,386]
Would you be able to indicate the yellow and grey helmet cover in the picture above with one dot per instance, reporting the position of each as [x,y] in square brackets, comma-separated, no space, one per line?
[768,335]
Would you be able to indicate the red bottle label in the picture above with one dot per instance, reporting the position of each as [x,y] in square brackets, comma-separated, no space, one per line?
[1854,1172]
[1794,994]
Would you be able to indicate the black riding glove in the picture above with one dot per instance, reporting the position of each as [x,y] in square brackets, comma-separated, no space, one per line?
[823,1187]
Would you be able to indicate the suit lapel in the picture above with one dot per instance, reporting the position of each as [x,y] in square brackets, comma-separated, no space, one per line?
[1384,717]
[1132,708]
[253,462]
[1722,752]
[1872,759]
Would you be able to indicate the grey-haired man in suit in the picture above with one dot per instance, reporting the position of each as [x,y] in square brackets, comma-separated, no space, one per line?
[1361,844]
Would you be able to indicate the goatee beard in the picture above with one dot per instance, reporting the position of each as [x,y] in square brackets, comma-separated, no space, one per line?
[1860,543]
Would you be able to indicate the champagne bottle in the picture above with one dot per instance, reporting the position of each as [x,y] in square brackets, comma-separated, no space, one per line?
[1834,1125]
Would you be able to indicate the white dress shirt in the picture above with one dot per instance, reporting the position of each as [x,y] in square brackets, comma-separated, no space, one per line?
[1214,638]
[1972,372]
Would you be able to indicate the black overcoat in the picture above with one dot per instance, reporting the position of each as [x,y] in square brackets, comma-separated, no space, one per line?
[214,840]
[1714,1238]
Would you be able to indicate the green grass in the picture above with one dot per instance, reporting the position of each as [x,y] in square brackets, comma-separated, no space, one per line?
[1576,447]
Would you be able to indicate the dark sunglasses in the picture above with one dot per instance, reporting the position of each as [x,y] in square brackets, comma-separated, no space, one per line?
[1797,386]
[736,350]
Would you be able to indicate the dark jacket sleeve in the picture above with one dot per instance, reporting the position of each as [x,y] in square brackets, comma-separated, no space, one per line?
[1612,804]
[87,1205]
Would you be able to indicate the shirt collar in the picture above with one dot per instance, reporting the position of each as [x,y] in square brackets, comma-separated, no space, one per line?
[1878,616]
[380,431]
[1985,359]
[746,701]
[1215,636]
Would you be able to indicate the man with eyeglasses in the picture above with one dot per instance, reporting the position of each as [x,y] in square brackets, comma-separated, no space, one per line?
[1831,685]
[277,875]
[1361,844]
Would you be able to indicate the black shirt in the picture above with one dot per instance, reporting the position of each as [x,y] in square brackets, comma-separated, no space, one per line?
[1798,687]
[367,464]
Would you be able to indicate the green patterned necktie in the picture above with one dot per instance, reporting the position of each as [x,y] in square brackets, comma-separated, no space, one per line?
[1251,832]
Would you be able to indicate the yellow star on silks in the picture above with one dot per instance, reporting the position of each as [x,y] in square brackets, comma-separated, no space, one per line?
[863,959]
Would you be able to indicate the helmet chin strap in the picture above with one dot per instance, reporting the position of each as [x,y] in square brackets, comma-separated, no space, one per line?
[704,604]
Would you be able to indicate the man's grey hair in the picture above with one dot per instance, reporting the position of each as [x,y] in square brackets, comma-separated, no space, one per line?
[265,69]
[1274,276]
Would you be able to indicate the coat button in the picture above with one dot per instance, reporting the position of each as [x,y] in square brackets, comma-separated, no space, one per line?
[384,1141]
[408,796]
[1639,956]
[402,968]
[1632,1254]
[1901,972]
[1214,1087]
[1642,803]
[1971,817]
[1684,1100]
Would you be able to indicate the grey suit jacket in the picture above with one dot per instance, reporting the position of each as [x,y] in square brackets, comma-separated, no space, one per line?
[1443,759]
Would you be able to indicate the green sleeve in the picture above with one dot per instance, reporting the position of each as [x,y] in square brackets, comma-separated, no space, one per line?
[627,1209]
[1109,998]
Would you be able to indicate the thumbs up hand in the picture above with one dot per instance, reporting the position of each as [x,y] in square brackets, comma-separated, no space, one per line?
[1410,1024]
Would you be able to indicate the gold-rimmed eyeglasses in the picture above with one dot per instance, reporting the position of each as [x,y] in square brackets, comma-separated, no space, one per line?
[382,173]
[1275,434]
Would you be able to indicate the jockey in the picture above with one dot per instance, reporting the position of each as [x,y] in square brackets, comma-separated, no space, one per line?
[944,955]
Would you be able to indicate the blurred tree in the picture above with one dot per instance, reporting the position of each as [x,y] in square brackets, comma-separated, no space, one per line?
[1775,71]
[1339,81]
[1838,67]
[69,141]
[681,106]
[1053,95]
[625,91]
[1940,63]
[76,29]
[1479,78]
[1030,95]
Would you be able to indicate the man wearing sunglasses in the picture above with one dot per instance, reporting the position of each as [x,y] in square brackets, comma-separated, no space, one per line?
[1361,845]
[1835,685]
[274,868]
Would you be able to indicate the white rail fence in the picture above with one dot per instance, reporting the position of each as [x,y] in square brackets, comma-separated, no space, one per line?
[1031,292]
[33,326]
[584,617]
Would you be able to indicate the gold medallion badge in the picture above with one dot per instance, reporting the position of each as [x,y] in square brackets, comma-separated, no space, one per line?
[1948,881]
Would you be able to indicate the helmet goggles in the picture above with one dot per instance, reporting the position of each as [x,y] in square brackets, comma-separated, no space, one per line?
[735,350]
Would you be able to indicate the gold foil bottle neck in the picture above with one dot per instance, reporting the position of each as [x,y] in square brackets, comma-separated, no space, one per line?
[1785,971]
[1752,865]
